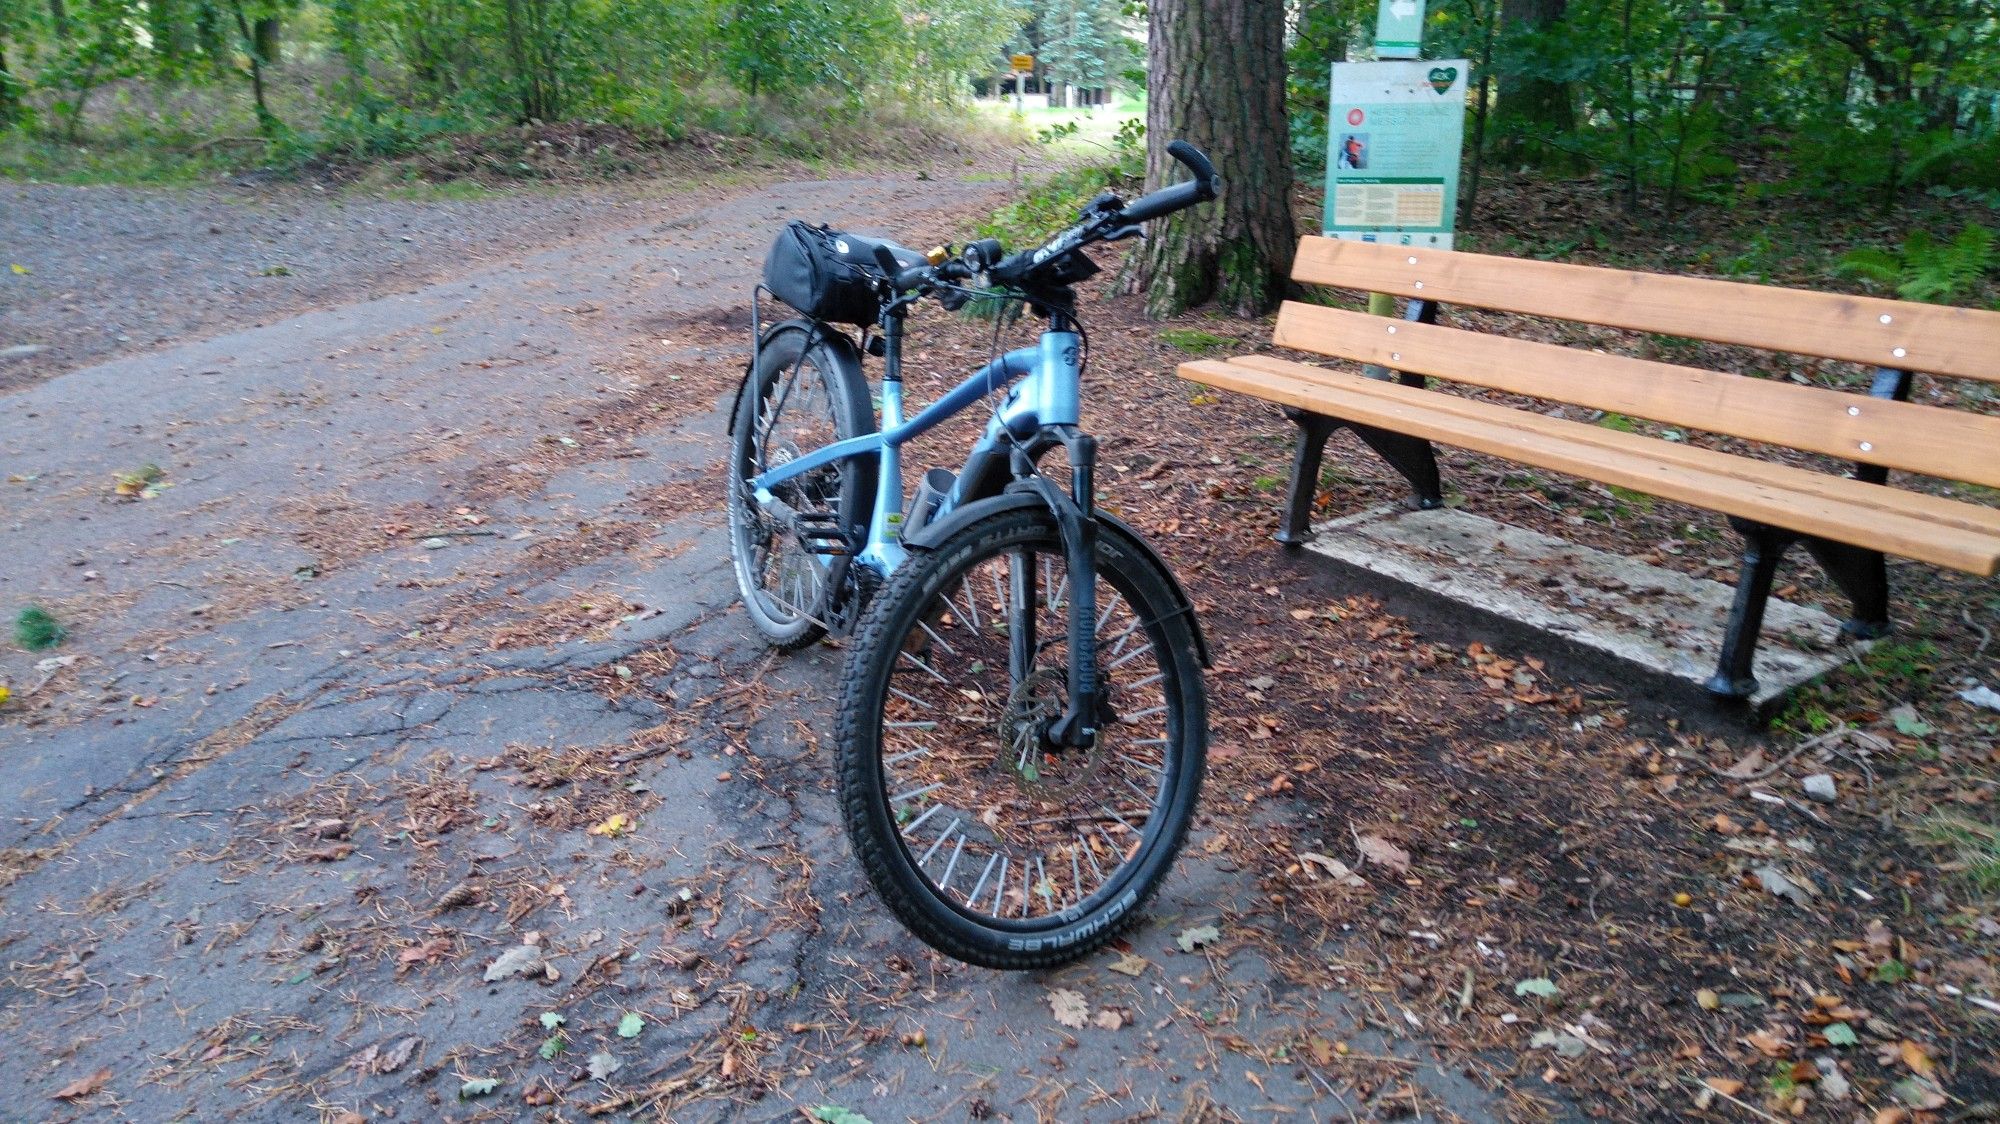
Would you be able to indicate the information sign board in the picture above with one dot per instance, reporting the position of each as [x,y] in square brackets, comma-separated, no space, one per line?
[1394,135]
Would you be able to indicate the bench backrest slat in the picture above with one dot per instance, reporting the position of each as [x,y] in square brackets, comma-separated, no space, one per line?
[1960,342]
[1951,444]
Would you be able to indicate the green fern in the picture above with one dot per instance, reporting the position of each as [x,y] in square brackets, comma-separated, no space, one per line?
[1926,269]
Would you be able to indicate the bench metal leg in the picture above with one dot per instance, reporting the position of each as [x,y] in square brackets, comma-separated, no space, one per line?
[1411,456]
[1296,527]
[1764,547]
[1863,576]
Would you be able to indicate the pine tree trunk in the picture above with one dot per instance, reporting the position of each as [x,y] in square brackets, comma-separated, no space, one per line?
[268,34]
[1217,80]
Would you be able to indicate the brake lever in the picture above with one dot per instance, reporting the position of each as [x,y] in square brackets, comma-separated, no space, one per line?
[1120,233]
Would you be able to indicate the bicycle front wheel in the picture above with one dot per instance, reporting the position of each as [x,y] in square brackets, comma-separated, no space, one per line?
[988,843]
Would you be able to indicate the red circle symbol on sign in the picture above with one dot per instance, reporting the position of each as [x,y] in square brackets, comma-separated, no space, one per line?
[1355,117]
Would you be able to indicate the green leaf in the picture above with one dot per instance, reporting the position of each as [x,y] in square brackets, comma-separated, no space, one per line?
[1908,723]
[477,1087]
[834,1114]
[551,1046]
[1840,1034]
[1539,985]
[551,1020]
[631,1025]
[1892,972]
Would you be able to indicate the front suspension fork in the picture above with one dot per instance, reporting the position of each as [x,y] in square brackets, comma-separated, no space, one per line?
[1075,516]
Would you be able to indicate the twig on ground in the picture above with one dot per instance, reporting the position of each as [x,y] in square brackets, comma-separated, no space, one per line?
[1334,1093]
[1985,637]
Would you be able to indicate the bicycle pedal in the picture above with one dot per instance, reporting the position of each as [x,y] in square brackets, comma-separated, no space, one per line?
[820,532]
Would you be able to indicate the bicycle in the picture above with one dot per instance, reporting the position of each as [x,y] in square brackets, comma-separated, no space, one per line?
[1012,824]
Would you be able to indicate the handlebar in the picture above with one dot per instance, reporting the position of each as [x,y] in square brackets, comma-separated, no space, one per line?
[1106,219]
[1205,186]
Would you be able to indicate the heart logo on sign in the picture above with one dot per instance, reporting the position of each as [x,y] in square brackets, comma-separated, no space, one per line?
[1441,77]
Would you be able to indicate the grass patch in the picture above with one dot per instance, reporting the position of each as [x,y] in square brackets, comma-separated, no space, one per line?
[1194,341]
[36,630]
[1975,845]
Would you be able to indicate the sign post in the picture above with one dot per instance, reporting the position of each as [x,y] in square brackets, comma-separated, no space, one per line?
[1393,142]
[1024,65]
[1399,29]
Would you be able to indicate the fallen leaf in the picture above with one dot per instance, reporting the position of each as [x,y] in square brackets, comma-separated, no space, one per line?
[1539,985]
[1839,1034]
[376,1060]
[603,1065]
[1131,964]
[614,827]
[1727,1086]
[631,1025]
[552,1020]
[1069,1007]
[1917,1058]
[82,1086]
[1322,1050]
[1196,937]
[834,1114]
[1380,851]
[1334,867]
[1567,1045]
[477,1087]
[521,960]
[1797,891]
[1108,1020]
[1707,999]
[1750,766]
[1771,1042]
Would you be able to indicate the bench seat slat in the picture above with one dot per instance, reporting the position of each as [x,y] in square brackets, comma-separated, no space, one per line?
[1951,444]
[1936,339]
[1896,501]
[1781,496]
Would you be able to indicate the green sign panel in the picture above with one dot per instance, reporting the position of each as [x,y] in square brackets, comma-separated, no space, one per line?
[1399,29]
[1393,140]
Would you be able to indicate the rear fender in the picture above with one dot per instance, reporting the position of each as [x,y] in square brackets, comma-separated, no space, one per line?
[839,345]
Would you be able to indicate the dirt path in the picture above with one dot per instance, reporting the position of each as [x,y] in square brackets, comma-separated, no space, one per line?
[106,272]
[425,588]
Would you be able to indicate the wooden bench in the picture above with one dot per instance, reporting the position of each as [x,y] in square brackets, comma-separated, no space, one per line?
[1847,522]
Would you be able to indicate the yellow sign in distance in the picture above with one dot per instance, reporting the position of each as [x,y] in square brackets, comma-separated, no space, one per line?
[1022,63]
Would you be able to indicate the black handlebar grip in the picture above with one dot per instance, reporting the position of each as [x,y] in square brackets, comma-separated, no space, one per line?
[1197,162]
[1205,186]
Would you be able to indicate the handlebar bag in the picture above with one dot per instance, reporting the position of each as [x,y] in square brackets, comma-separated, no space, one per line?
[812,268]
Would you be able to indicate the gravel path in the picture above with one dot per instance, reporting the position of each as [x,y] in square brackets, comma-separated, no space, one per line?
[114,271]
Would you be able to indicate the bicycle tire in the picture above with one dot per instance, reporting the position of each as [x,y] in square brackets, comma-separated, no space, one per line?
[846,487]
[903,881]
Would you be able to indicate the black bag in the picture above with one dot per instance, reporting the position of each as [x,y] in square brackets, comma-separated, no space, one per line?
[821,273]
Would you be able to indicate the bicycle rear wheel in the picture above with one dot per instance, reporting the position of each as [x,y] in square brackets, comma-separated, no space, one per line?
[986,842]
[802,394]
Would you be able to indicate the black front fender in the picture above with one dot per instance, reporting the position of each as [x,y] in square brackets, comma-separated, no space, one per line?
[934,534]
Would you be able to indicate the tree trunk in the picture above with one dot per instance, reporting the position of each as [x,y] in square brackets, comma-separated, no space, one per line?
[59,16]
[268,33]
[1529,103]
[1217,80]
[10,105]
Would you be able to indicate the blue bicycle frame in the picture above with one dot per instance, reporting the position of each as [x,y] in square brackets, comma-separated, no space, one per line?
[1048,394]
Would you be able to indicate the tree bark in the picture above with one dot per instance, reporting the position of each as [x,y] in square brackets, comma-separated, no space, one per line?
[1217,80]
[59,17]
[10,105]
[1529,102]
[268,34]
